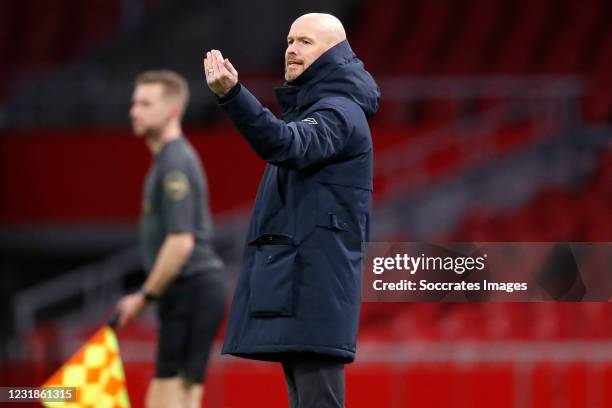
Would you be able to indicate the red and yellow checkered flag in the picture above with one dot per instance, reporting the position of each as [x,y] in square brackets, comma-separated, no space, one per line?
[97,373]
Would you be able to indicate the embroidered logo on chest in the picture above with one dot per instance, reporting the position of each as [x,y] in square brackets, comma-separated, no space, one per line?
[311,121]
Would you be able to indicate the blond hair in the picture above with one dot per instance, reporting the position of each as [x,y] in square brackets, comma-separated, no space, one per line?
[173,84]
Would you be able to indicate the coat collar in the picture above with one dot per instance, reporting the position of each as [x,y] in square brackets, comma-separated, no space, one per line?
[290,94]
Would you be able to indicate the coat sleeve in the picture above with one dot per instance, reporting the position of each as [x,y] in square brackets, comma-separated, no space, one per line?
[296,145]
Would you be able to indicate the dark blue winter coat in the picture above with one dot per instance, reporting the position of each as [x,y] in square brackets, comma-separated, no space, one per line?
[299,288]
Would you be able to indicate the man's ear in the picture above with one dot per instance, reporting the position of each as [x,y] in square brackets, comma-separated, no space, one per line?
[177,111]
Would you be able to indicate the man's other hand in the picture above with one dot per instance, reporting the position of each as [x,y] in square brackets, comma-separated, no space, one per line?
[130,307]
[221,76]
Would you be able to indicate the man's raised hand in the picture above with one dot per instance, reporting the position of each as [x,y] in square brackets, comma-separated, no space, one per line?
[221,76]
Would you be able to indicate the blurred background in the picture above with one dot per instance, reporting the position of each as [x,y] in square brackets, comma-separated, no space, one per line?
[494,126]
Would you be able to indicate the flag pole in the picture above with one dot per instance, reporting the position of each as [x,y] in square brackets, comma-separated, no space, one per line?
[113,321]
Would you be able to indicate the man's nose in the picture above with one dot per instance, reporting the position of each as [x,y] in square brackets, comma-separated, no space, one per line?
[291,50]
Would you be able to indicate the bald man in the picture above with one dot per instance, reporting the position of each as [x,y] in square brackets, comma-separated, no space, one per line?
[298,294]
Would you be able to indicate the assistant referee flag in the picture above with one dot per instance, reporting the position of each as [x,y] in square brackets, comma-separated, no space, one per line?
[96,371]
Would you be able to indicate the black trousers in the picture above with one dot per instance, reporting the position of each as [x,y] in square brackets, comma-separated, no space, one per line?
[314,382]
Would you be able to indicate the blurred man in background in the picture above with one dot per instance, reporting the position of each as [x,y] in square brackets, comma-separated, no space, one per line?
[176,228]
[298,295]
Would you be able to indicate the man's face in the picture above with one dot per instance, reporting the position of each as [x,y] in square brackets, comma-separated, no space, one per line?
[305,43]
[150,111]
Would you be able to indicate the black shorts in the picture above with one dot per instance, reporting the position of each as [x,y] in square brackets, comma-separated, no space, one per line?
[189,314]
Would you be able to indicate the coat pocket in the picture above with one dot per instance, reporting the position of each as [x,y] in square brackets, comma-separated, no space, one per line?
[273,276]
[333,221]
